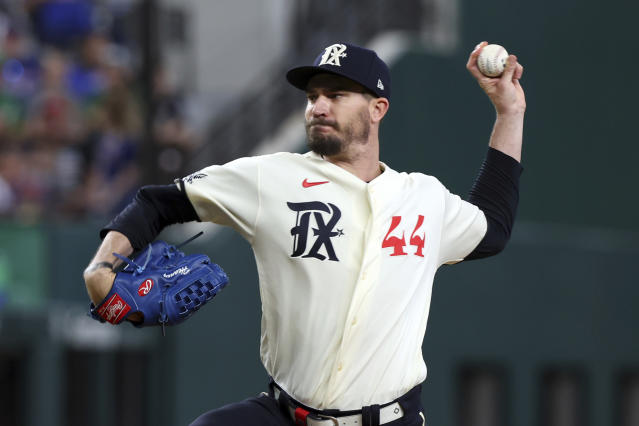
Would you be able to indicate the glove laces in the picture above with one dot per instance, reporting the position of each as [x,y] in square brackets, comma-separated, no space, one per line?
[137,268]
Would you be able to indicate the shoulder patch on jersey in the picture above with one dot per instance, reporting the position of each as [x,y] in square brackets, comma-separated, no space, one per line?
[191,177]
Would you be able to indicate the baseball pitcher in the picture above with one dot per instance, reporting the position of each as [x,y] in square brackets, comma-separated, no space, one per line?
[346,248]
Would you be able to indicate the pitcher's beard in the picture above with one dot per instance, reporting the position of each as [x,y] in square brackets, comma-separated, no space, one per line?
[332,144]
[325,145]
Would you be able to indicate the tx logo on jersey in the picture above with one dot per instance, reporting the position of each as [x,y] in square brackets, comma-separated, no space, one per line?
[332,54]
[323,232]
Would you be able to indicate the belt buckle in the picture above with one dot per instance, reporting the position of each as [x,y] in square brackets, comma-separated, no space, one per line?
[300,415]
[325,417]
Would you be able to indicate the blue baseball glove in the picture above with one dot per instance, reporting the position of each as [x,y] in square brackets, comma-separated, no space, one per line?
[163,284]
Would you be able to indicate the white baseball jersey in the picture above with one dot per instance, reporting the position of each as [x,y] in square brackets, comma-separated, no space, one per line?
[345,268]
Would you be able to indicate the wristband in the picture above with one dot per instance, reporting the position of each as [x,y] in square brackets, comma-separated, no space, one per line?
[100,265]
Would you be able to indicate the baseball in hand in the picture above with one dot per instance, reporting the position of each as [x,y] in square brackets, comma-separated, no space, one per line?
[492,60]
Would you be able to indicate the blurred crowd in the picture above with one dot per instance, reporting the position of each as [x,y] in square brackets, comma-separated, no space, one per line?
[71,123]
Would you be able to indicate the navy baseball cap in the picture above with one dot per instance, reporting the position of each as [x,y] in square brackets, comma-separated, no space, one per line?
[353,62]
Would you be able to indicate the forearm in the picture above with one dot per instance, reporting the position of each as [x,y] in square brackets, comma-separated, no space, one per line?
[98,275]
[508,98]
[507,135]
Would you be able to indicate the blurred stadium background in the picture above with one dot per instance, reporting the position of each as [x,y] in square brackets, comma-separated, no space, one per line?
[99,97]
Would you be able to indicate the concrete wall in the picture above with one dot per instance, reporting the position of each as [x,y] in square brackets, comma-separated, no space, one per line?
[231,44]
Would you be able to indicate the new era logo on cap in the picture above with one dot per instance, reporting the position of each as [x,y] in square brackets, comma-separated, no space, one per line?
[356,63]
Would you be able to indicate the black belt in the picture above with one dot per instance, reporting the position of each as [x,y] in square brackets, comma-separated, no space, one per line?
[373,415]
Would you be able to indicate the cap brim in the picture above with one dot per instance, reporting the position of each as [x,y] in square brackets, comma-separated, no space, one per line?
[300,76]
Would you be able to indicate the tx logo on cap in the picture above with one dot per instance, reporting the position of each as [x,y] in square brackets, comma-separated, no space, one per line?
[332,54]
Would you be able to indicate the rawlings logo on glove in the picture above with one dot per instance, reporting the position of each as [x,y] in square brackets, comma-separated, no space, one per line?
[114,310]
[163,284]
[145,287]
[182,271]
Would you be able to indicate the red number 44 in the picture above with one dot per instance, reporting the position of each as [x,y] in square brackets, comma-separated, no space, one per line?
[398,243]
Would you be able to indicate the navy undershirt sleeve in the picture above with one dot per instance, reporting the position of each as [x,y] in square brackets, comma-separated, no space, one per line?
[153,208]
[496,193]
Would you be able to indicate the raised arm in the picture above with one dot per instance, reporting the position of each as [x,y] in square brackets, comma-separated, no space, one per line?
[509,101]
[496,189]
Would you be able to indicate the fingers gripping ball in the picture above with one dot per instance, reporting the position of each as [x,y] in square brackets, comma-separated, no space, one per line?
[163,284]
[492,60]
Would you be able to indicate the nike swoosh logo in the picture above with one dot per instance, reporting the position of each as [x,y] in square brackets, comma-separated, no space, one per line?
[307,184]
